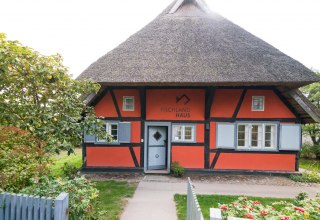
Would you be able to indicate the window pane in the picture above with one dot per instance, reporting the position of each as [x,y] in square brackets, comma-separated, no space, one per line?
[257,103]
[128,103]
[267,143]
[270,136]
[254,143]
[188,133]
[176,130]
[241,143]
[256,135]
[241,135]
[268,128]
[241,128]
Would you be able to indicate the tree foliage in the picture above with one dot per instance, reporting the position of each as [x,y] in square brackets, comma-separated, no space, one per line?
[38,95]
[22,159]
[312,92]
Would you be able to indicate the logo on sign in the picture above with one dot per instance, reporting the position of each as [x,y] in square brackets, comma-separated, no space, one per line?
[181,112]
[183,98]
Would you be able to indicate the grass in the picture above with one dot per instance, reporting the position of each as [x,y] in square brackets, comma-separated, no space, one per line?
[113,196]
[61,159]
[312,165]
[209,201]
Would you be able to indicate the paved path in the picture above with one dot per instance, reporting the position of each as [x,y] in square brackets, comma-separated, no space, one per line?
[153,198]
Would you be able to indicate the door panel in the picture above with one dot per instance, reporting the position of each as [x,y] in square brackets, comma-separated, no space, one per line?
[157,147]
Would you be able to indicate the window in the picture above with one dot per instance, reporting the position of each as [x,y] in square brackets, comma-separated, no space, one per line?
[257,103]
[256,136]
[128,103]
[112,129]
[183,133]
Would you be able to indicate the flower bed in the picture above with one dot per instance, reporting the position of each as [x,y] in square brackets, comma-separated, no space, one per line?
[302,208]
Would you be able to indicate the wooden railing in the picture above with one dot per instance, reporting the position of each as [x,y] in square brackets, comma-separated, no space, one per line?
[27,207]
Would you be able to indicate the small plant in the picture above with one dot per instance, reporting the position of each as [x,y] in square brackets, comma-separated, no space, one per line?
[306,177]
[177,170]
[70,171]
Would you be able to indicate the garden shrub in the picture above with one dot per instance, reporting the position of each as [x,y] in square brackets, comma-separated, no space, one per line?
[306,177]
[22,158]
[177,170]
[310,151]
[82,195]
[302,208]
[69,170]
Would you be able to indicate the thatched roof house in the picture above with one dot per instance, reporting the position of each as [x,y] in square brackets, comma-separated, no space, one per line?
[187,44]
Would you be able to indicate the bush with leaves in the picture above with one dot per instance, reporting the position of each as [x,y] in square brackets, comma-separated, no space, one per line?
[177,170]
[70,171]
[306,177]
[82,195]
[21,158]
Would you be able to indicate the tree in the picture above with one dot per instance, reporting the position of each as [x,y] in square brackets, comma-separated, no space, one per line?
[38,95]
[313,130]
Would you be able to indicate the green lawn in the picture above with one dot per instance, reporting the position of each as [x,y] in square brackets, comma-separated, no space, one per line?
[59,160]
[210,201]
[113,196]
[313,165]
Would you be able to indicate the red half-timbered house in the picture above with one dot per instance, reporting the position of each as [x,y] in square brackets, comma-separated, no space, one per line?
[195,88]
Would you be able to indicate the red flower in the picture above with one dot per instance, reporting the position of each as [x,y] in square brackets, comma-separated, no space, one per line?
[249,216]
[263,212]
[224,207]
[250,208]
[244,206]
[299,209]
[256,203]
[284,218]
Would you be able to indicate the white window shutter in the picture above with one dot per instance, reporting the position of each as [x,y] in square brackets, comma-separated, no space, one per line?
[225,135]
[124,134]
[290,137]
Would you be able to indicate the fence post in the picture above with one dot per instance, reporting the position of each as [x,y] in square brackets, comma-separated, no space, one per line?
[215,214]
[61,207]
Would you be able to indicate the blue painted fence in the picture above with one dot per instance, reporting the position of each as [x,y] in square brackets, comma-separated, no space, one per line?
[27,207]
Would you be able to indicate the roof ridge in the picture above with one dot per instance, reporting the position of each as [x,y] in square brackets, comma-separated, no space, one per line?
[198,3]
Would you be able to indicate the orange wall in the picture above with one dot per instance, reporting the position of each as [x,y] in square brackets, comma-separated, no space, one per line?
[128,92]
[256,161]
[105,107]
[110,156]
[200,133]
[225,102]
[212,143]
[163,105]
[135,131]
[188,157]
[273,106]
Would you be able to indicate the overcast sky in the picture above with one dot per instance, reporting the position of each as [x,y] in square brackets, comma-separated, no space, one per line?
[82,31]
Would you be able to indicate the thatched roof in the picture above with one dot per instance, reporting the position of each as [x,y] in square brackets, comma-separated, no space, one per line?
[187,44]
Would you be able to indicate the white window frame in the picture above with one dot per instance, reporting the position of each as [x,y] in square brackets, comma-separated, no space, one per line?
[124,104]
[183,140]
[263,103]
[108,130]
[248,137]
